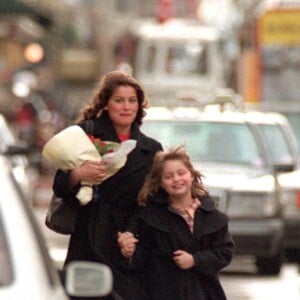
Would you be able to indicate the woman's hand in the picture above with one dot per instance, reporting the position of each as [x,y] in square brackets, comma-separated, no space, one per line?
[91,171]
[127,243]
[183,259]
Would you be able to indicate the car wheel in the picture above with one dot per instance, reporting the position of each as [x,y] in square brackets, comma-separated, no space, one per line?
[270,265]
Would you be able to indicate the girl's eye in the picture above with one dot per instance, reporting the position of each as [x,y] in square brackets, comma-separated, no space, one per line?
[133,100]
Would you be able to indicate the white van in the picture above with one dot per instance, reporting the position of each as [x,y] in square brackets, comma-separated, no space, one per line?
[177,59]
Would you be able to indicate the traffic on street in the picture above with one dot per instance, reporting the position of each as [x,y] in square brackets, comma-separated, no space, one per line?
[220,77]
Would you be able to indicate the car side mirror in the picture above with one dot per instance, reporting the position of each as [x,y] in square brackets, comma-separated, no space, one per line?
[88,279]
[18,148]
[283,168]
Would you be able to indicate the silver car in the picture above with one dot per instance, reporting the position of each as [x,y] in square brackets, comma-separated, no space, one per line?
[247,159]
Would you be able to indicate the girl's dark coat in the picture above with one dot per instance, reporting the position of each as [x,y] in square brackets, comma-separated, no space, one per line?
[162,231]
[114,204]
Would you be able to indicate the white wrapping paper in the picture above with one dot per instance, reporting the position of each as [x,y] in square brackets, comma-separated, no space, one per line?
[70,147]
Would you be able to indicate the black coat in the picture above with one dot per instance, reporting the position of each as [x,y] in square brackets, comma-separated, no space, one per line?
[113,205]
[161,231]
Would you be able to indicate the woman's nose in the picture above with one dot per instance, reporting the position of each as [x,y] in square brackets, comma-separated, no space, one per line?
[126,104]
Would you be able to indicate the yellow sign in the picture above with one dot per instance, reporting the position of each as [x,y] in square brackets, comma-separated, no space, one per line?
[279,27]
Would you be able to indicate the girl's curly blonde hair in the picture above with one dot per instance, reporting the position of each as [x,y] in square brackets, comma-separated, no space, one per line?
[152,183]
[107,85]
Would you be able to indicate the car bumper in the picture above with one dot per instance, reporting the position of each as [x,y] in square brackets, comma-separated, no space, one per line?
[292,232]
[257,237]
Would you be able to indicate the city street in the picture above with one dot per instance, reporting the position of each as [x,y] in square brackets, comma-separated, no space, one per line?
[242,283]
[239,280]
[220,77]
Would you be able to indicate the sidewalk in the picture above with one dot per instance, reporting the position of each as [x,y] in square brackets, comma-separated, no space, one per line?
[43,191]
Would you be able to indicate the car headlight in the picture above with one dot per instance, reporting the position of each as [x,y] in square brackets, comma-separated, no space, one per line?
[245,204]
[291,201]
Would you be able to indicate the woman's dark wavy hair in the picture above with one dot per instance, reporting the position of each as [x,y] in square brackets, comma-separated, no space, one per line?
[108,84]
[152,184]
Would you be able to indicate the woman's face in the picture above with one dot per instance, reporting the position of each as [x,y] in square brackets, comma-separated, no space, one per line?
[176,179]
[122,107]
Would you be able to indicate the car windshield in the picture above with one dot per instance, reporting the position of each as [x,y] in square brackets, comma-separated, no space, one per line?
[281,153]
[294,120]
[208,141]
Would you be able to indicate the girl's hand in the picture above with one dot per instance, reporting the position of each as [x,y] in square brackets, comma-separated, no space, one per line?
[183,259]
[127,243]
[91,171]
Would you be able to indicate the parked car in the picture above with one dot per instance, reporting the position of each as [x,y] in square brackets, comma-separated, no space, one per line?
[27,271]
[294,120]
[247,159]
[17,153]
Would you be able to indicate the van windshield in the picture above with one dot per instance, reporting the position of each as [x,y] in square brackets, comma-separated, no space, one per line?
[178,58]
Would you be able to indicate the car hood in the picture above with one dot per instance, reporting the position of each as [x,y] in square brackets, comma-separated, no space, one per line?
[290,180]
[235,177]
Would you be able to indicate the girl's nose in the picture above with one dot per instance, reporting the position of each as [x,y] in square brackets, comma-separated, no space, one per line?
[176,177]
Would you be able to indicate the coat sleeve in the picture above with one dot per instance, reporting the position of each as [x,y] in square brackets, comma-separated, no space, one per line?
[138,262]
[62,181]
[62,186]
[219,254]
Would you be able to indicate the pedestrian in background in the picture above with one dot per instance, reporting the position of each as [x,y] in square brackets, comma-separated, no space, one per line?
[182,238]
[117,110]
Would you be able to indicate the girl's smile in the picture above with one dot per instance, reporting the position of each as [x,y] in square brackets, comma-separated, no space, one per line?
[177,180]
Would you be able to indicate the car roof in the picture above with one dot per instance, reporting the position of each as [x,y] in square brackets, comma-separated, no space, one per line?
[213,115]
[174,29]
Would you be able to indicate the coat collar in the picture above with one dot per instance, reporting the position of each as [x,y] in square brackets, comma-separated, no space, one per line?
[104,129]
[207,217]
[161,198]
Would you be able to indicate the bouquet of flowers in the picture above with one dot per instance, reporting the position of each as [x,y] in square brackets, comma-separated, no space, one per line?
[62,154]
[104,147]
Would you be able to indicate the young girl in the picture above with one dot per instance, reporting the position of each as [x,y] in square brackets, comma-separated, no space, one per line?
[182,240]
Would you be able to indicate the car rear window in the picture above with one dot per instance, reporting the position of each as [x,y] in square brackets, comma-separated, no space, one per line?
[208,141]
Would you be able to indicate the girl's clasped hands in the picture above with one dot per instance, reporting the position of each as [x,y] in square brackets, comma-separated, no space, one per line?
[127,243]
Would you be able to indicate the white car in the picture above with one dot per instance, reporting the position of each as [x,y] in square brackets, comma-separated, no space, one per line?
[26,269]
[16,151]
[248,160]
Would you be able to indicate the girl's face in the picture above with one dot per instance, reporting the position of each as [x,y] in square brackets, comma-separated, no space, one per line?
[122,107]
[176,179]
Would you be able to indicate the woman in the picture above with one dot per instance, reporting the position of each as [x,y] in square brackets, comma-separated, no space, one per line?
[183,240]
[117,110]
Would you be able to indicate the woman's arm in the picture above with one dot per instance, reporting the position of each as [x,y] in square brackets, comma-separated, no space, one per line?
[90,171]
[133,245]
[67,184]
